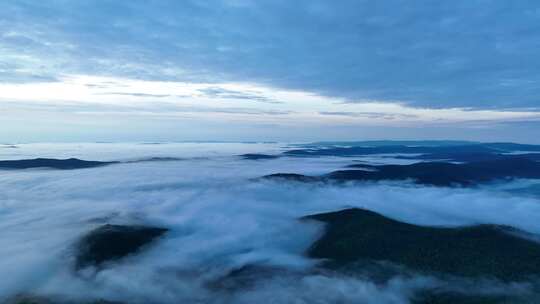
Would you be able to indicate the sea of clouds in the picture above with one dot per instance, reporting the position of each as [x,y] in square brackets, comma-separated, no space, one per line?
[221,219]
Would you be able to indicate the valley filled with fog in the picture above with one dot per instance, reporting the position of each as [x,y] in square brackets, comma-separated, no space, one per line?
[232,236]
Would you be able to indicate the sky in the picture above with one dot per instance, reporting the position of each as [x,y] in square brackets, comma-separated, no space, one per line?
[269,70]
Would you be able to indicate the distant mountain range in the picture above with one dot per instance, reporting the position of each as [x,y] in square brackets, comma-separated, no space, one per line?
[414,147]
[429,173]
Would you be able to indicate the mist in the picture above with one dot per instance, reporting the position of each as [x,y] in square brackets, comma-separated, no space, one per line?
[221,218]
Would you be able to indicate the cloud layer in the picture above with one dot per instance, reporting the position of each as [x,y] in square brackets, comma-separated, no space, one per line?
[479,54]
[219,220]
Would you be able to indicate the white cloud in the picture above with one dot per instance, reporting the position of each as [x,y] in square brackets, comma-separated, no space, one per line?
[86,94]
[219,221]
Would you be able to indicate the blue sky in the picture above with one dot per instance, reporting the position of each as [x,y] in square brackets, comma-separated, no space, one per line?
[269,70]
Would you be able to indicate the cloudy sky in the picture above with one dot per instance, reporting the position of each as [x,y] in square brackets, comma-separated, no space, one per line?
[269,70]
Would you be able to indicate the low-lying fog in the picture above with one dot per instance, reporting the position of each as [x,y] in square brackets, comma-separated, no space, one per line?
[220,217]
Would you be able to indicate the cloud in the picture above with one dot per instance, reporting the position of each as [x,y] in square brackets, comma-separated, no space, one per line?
[220,220]
[153,108]
[375,115]
[217,92]
[136,94]
[161,96]
[420,59]
[478,54]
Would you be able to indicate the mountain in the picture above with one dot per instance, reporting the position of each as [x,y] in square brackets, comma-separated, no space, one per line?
[112,242]
[51,163]
[429,173]
[354,235]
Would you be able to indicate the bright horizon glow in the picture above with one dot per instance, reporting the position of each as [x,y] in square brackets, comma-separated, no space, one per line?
[123,96]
